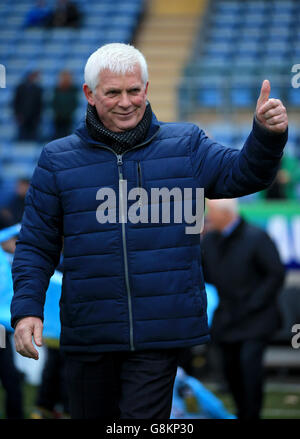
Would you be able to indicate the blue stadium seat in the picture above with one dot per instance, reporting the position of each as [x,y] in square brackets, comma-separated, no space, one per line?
[222,133]
[242,97]
[245,62]
[61,35]
[5,97]
[7,188]
[255,38]
[118,35]
[48,80]
[223,34]
[232,7]
[14,21]
[90,36]
[219,49]
[210,97]
[27,49]
[35,35]
[9,36]
[8,132]
[247,48]
[18,170]
[254,6]
[294,136]
[6,115]
[293,97]
[254,18]
[55,50]
[6,52]
[51,50]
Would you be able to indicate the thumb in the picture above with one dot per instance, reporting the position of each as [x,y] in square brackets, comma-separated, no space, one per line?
[264,93]
[37,334]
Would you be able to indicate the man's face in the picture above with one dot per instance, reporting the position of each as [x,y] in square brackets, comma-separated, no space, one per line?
[120,100]
[217,218]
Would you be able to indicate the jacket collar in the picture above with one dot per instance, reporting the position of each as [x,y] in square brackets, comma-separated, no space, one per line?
[83,133]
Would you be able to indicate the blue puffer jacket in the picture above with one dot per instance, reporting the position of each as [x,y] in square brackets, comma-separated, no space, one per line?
[127,286]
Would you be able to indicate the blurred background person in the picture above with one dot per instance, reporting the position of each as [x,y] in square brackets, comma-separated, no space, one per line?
[244,265]
[10,377]
[52,396]
[286,183]
[52,399]
[64,104]
[28,106]
[65,14]
[38,15]
[11,381]
[13,212]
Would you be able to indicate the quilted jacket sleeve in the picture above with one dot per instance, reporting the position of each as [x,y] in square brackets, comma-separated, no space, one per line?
[227,173]
[39,244]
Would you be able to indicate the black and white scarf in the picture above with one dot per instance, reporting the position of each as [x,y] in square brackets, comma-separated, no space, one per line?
[119,142]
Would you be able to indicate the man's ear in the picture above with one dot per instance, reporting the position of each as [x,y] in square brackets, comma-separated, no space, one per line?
[146,88]
[88,94]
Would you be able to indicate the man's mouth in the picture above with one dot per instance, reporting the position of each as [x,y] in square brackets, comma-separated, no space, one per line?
[129,113]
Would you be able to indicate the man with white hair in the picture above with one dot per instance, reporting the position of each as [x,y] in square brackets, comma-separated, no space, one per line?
[133,295]
[243,263]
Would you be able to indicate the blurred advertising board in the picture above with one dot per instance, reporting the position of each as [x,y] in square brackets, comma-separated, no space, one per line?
[281,219]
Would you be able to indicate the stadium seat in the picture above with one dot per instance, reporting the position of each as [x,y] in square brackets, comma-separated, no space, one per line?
[251,37]
[222,133]
[49,51]
[210,97]
[242,97]
[293,97]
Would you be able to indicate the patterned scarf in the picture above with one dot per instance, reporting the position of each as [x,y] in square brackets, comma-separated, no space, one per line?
[119,142]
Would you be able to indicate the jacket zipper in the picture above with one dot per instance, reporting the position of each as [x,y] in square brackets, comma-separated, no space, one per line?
[139,174]
[124,243]
[121,179]
[139,170]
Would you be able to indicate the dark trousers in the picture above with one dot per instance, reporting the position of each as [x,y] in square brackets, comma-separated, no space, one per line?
[63,127]
[136,385]
[243,371]
[28,131]
[52,389]
[11,381]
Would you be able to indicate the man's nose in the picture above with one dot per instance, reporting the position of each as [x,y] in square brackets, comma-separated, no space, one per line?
[124,100]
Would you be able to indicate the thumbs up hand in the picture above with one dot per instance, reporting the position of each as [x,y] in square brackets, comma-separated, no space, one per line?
[270,112]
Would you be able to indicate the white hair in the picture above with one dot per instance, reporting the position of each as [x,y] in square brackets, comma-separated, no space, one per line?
[118,58]
[227,204]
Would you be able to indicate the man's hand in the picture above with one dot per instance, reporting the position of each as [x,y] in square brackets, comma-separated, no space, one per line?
[270,112]
[25,329]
